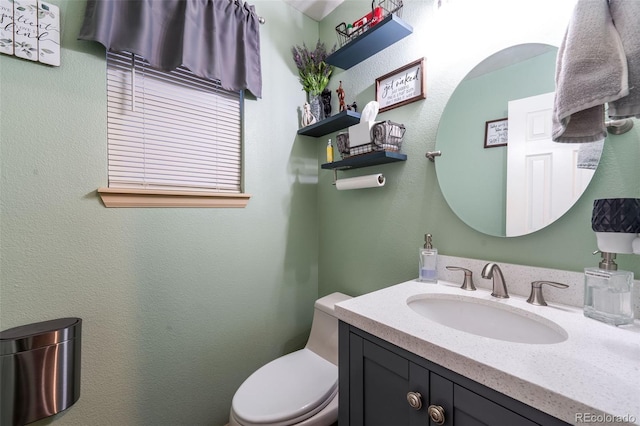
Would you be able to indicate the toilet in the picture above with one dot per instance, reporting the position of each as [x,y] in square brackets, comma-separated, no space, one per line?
[300,388]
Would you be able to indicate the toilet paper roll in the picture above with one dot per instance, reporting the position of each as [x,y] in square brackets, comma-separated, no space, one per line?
[369,181]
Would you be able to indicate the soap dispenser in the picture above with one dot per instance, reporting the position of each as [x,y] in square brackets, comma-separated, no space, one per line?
[428,271]
[607,290]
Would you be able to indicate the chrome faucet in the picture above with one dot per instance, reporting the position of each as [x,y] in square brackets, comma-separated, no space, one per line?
[492,271]
[467,284]
[536,297]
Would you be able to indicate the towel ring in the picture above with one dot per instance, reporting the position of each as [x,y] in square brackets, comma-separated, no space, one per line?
[619,127]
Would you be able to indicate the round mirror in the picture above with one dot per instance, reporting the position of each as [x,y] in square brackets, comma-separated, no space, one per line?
[499,170]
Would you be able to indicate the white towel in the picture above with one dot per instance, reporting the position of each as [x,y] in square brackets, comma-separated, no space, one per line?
[626,18]
[591,70]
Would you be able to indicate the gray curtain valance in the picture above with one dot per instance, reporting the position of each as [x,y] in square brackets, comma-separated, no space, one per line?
[215,39]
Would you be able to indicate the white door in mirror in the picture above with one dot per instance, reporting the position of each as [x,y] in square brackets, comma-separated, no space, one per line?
[543,177]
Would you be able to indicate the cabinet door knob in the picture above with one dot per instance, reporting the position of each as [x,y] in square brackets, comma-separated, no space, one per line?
[415,400]
[436,413]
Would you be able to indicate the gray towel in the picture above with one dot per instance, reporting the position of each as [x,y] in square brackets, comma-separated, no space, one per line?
[589,155]
[626,18]
[591,70]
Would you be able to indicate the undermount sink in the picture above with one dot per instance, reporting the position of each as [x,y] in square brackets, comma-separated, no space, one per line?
[487,318]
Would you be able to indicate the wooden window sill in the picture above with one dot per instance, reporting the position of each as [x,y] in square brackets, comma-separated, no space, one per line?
[127,197]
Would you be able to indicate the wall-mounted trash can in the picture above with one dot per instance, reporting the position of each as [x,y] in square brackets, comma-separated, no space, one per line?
[39,370]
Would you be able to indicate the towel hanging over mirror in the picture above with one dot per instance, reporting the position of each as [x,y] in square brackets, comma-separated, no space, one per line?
[592,70]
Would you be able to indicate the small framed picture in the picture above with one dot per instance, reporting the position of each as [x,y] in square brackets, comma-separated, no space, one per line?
[496,133]
[401,86]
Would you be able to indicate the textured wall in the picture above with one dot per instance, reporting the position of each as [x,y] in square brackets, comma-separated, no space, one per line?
[179,305]
[369,238]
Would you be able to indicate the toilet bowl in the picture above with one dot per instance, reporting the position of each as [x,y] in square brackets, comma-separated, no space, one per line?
[300,388]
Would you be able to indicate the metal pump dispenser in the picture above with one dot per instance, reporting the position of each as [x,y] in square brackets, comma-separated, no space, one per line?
[427,241]
[608,262]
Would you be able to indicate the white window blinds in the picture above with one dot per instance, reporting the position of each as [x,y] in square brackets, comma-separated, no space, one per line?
[171,130]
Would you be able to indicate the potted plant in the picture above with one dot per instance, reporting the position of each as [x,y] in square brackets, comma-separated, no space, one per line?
[314,73]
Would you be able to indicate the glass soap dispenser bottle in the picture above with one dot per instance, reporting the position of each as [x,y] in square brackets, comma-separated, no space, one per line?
[428,271]
[607,292]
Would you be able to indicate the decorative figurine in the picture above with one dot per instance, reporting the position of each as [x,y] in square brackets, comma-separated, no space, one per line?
[307,118]
[353,107]
[326,102]
[343,106]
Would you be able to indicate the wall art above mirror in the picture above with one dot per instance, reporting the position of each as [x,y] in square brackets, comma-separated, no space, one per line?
[510,190]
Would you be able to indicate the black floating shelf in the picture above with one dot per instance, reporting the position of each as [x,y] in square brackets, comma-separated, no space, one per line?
[365,160]
[340,121]
[379,37]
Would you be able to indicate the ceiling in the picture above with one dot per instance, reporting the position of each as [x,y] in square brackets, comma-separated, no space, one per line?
[315,9]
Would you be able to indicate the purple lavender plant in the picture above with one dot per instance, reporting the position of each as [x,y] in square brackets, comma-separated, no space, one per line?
[313,71]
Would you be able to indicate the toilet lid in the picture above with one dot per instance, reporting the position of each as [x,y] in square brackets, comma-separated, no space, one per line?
[286,388]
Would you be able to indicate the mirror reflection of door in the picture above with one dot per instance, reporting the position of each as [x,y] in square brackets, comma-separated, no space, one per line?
[543,177]
[473,177]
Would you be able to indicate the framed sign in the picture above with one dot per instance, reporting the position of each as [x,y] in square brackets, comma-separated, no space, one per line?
[401,86]
[496,133]
[30,29]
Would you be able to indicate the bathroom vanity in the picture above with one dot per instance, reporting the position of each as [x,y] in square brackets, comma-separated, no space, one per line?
[390,386]
[399,367]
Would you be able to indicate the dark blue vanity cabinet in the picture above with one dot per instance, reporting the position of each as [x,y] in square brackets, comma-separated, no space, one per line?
[382,384]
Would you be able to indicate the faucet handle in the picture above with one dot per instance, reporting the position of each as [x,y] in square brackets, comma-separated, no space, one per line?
[536,297]
[468,278]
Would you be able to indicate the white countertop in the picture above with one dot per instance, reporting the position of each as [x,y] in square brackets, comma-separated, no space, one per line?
[595,371]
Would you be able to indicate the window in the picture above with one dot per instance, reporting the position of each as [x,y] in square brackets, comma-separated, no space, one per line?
[174,139]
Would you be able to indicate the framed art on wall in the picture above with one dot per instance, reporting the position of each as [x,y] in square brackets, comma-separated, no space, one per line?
[496,133]
[401,86]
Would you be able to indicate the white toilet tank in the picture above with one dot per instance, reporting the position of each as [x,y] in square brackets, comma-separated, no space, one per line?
[323,339]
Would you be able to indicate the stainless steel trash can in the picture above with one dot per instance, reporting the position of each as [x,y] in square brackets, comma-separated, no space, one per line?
[39,370]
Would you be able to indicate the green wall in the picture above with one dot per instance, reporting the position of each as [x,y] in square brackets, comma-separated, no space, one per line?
[181,305]
[369,238]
